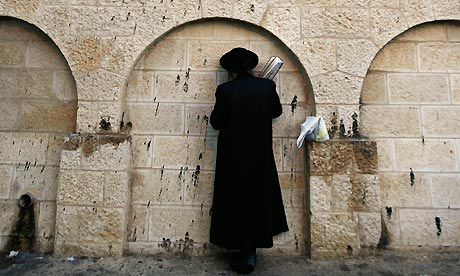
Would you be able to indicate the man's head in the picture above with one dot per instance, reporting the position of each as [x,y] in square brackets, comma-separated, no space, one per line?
[239,60]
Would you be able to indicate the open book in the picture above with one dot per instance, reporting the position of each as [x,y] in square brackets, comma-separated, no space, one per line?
[271,68]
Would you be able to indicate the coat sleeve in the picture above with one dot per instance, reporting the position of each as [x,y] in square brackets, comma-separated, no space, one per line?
[220,112]
[277,108]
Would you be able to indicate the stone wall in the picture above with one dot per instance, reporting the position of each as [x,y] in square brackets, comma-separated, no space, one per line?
[411,108]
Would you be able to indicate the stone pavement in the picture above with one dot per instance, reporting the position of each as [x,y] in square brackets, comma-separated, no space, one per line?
[383,263]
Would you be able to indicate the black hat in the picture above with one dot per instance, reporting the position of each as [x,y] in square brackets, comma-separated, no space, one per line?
[239,60]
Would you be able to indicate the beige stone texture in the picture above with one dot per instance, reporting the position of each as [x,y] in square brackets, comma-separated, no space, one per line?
[80,187]
[370,228]
[396,56]
[278,152]
[417,11]
[296,235]
[177,152]
[197,120]
[205,55]
[40,181]
[140,86]
[199,186]
[167,54]
[355,55]
[418,89]
[90,115]
[251,11]
[107,84]
[138,223]
[10,110]
[445,190]
[185,87]
[53,153]
[446,9]
[320,194]
[397,189]
[337,88]
[365,193]
[84,53]
[439,57]
[46,226]
[106,153]
[455,88]
[285,22]
[288,124]
[12,53]
[43,54]
[203,31]
[156,118]
[10,211]
[334,231]
[48,116]
[142,147]
[374,89]
[386,24]
[116,190]
[376,122]
[431,155]
[6,178]
[331,158]
[425,32]
[293,158]
[293,189]
[341,193]
[70,159]
[30,84]
[453,32]
[293,86]
[385,150]
[64,86]
[28,148]
[319,56]
[441,121]
[267,48]
[158,186]
[63,249]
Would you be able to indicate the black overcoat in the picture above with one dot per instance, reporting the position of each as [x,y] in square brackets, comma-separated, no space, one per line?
[247,208]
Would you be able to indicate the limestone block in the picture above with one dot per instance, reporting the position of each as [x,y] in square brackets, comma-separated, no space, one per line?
[46,226]
[138,223]
[283,22]
[365,193]
[6,178]
[439,121]
[109,153]
[7,148]
[40,181]
[334,231]
[90,115]
[100,225]
[365,3]
[385,150]
[27,84]
[445,190]
[250,11]
[227,30]
[156,118]
[81,187]
[202,30]
[116,190]
[55,145]
[102,21]
[64,86]
[335,22]
[54,20]
[158,186]
[99,85]
[25,10]
[420,88]
[426,32]
[43,54]
[417,11]
[120,53]
[10,110]
[355,56]
[337,88]
[177,152]
[439,57]
[184,11]
[453,32]
[12,53]
[293,89]
[455,88]
[370,228]
[59,117]
[179,223]
[67,224]
[10,212]
[88,249]
[445,9]
[319,56]
[374,89]
[342,192]
[148,16]
[70,159]
[398,190]
[278,152]
[297,230]
[418,227]
[223,9]
[28,148]
[185,87]
[139,86]
[199,187]
[288,124]
[396,56]
[293,158]
[205,55]
[386,24]
[293,189]
[320,194]
[391,231]
[84,53]
[197,120]
[142,149]
[377,122]
[331,158]
[166,54]
[431,156]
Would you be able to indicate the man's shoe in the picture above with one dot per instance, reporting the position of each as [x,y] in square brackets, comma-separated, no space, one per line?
[245,263]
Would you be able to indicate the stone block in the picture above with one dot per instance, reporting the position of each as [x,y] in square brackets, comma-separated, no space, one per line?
[289,30]
[205,55]
[65,248]
[337,88]
[319,56]
[53,153]
[365,194]
[396,56]
[50,116]
[453,32]
[140,86]
[156,118]
[331,158]
[417,11]
[185,87]
[64,86]
[374,89]
[6,180]
[293,158]
[386,24]
[439,121]
[28,148]
[250,11]
[90,115]
[100,225]
[445,9]
[439,57]
[46,226]
[365,157]
[38,84]
[197,120]
[106,153]
[142,149]
[430,156]
[81,187]
[426,32]
[293,89]
[116,189]
[99,85]
[43,54]
[41,181]
[355,56]
[67,223]
[10,212]
[198,187]
[335,22]
[320,194]
[385,150]
[370,228]
[376,122]
[288,124]
[12,53]
[334,231]
[203,30]
[179,223]
[399,190]
[227,30]
[55,20]
[84,53]
[293,189]
[445,190]
[166,54]
[419,88]
[70,159]
[224,9]
[341,192]
[138,224]
[158,186]
[391,232]
[364,3]
[181,152]
[11,110]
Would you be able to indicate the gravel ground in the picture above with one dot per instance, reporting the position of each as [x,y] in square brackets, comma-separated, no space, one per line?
[383,263]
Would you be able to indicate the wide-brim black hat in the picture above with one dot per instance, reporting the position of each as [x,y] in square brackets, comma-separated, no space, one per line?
[239,60]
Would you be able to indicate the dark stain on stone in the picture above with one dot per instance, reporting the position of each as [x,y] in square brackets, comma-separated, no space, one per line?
[365,156]
[148,145]
[384,240]
[389,211]
[187,74]
[437,220]
[22,237]
[342,130]
[334,127]
[294,104]
[355,126]
[200,156]
[185,87]
[162,172]
[89,145]
[349,250]
[73,143]
[156,109]
[412,177]
[177,80]
[105,125]
[195,175]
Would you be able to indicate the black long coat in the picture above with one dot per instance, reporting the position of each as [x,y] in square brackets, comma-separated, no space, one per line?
[247,208]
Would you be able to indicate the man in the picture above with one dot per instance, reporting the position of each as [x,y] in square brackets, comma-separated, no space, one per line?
[247,206]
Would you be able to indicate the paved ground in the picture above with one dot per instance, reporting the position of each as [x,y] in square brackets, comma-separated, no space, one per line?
[384,263]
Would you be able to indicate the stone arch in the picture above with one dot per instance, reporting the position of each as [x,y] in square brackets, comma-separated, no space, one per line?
[409,107]
[39,106]
[169,97]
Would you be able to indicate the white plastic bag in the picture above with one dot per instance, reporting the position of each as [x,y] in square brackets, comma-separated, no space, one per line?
[313,129]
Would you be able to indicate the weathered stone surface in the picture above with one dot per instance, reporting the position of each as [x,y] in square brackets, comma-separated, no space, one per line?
[396,56]
[296,235]
[84,53]
[445,9]
[365,193]
[425,32]
[440,121]
[293,187]
[43,54]
[341,193]
[166,54]
[158,186]
[198,187]
[376,122]
[185,87]
[108,86]
[293,158]
[417,11]
[365,157]
[81,187]
[331,158]
[355,55]
[116,190]
[293,89]
[337,88]
[64,86]
[419,88]
[46,226]
[197,120]
[385,151]
[58,117]
[30,84]
[138,230]
[453,32]
[439,57]
[386,24]
[334,231]
[10,110]
[341,120]
[156,118]
[455,88]
[205,55]
[10,211]
[142,149]
[317,55]
[106,153]
[12,53]
[288,124]
[140,86]
[251,11]
[320,194]
[40,181]
[6,178]
[90,115]
[87,249]
[374,89]
[283,22]
[223,9]
[370,228]
[445,190]
[28,148]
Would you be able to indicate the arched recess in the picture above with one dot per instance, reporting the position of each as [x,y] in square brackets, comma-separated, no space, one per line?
[169,97]
[410,106]
[38,103]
